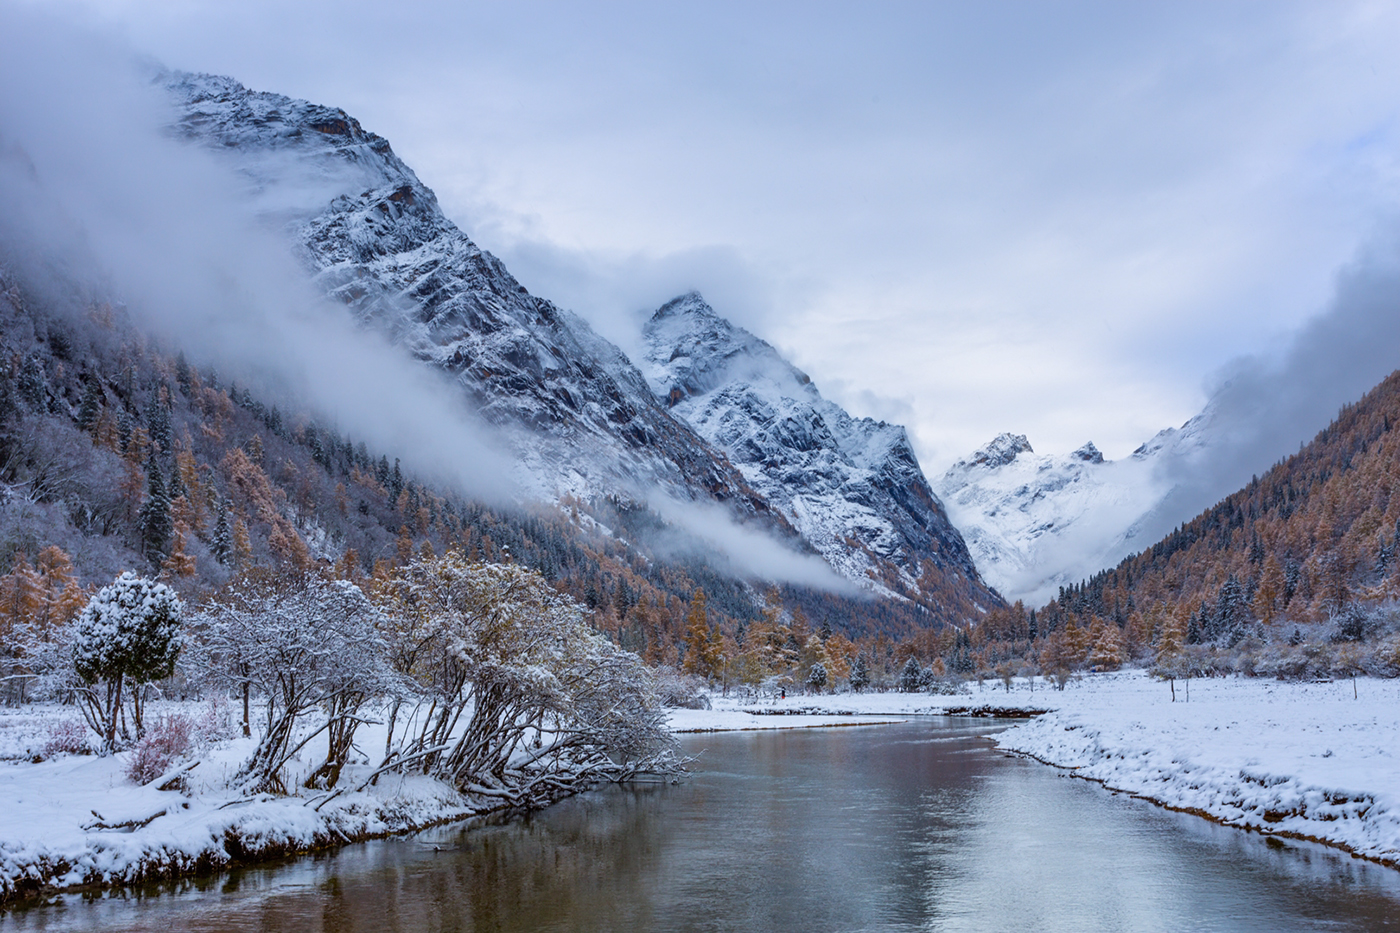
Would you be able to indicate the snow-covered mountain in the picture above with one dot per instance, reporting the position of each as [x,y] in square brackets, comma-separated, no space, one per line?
[1036,522]
[582,417]
[747,431]
[851,486]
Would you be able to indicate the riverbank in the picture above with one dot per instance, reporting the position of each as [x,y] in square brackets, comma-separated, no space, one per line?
[77,821]
[1318,761]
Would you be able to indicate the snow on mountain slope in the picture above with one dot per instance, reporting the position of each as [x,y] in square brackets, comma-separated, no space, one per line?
[851,486]
[582,417]
[1035,522]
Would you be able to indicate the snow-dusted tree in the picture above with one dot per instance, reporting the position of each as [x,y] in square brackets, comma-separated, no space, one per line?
[910,676]
[860,674]
[296,644]
[1231,613]
[1107,653]
[1168,662]
[90,409]
[816,677]
[222,544]
[155,523]
[703,646]
[128,633]
[525,702]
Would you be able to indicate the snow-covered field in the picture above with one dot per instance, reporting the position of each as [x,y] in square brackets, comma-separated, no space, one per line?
[1305,759]
[1313,760]
[50,811]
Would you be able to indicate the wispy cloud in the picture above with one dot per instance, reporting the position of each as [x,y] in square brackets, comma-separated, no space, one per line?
[93,189]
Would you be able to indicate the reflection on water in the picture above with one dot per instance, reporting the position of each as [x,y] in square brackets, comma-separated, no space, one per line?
[914,827]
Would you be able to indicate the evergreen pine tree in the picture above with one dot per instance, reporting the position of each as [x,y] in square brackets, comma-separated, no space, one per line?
[860,674]
[910,676]
[176,487]
[154,523]
[158,420]
[222,545]
[1231,613]
[34,384]
[395,481]
[124,430]
[182,375]
[91,407]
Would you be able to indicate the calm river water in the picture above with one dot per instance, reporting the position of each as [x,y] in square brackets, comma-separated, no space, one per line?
[922,826]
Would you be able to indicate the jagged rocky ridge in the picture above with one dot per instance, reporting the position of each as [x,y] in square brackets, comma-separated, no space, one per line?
[584,419]
[1037,522]
[851,486]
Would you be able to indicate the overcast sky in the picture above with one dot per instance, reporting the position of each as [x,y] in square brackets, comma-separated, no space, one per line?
[1059,219]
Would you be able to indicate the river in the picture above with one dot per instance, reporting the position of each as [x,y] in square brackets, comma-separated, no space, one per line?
[920,826]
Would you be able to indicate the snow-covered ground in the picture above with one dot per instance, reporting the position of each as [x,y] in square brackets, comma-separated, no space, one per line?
[1313,760]
[50,810]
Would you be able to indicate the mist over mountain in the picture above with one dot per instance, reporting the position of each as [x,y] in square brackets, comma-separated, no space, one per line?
[285,245]
[280,243]
[1037,522]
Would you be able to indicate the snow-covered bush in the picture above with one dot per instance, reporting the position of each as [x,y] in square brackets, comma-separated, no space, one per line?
[681,691]
[213,724]
[526,701]
[66,737]
[297,645]
[128,633]
[169,739]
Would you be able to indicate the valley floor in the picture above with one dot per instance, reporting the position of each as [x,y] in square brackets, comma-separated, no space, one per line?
[1318,761]
[1309,760]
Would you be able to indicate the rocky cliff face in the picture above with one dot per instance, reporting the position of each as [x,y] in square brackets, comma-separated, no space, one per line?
[582,417]
[851,486]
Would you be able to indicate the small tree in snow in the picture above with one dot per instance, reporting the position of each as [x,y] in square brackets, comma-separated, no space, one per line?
[1168,662]
[860,674]
[816,677]
[911,676]
[524,701]
[128,633]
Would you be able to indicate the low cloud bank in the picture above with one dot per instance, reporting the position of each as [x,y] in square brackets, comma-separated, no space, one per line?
[94,193]
[1265,406]
[750,552]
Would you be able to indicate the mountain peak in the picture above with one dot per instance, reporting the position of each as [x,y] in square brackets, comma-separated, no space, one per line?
[692,303]
[851,486]
[1088,453]
[1001,450]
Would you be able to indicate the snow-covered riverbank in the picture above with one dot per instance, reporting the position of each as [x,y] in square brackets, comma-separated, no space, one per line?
[1311,760]
[78,820]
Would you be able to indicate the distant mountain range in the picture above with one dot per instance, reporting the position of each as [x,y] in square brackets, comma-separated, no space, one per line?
[1038,522]
[709,417]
